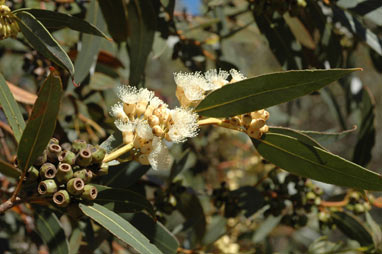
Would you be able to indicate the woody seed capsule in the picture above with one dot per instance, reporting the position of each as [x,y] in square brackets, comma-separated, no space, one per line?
[61,198]
[64,172]
[98,155]
[84,158]
[77,145]
[48,171]
[47,187]
[41,159]
[85,174]
[53,152]
[67,157]
[90,192]
[75,186]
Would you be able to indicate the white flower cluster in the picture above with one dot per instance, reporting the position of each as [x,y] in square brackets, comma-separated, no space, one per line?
[193,87]
[145,120]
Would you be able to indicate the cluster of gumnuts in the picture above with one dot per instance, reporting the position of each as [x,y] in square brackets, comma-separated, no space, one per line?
[222,196]
[294,198]
[281,6]
[63,173]
[252,123]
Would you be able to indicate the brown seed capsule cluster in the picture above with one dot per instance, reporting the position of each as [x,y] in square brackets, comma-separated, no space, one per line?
[64,172]
[8,23]
[252,123]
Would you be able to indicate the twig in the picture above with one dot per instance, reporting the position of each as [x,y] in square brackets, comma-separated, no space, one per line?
[9,204]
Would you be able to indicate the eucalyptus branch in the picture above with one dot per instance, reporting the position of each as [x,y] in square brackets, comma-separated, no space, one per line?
[117,153]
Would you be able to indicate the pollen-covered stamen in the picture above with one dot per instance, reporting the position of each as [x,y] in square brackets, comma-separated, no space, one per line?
[216,79]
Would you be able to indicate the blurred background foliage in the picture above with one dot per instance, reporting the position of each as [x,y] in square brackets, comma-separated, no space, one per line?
[218,194]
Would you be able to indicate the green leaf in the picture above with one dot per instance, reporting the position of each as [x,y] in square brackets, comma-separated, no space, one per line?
[42,41]
[376,231]
[300,135]
[266,90]
[265,228]
[298,157]
[215,229]
[154,231]
[42,122]
[9,170]
[125,175]
[142,25]
[115,15]
[11,109]
[352,227]
[122,200]
[366,136]
[178,166]
[90,45]
[75,241]
[57,20]
[190,207]
[49,228]
[327,138]
[119,227]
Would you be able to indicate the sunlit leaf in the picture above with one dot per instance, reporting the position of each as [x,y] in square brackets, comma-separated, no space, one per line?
[40,38]
[298,157]
[119,227]
[266,90]
[11,109]
[57,20]
[42,122]
[50,229]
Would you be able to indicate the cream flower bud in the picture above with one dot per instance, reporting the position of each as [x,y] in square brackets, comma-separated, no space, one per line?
[153,120]
[129,109]
[257,123]
[254,132]
[140,108]
[264,129]
[265,115]
[246,120]
[158,131]
[257,114]
[235,121]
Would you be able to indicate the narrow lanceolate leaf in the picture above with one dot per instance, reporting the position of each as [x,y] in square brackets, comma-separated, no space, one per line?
[304,159]
[50,230]
[142,25]
[42,122]
[42,41]
[11,109]
[266,90]
[9,170]
[115,14]
[123,200]
[90,45]
[154,231]
[57,20]
[327,138]
[352,227]
[367,132]
[295,133]
[119,227]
